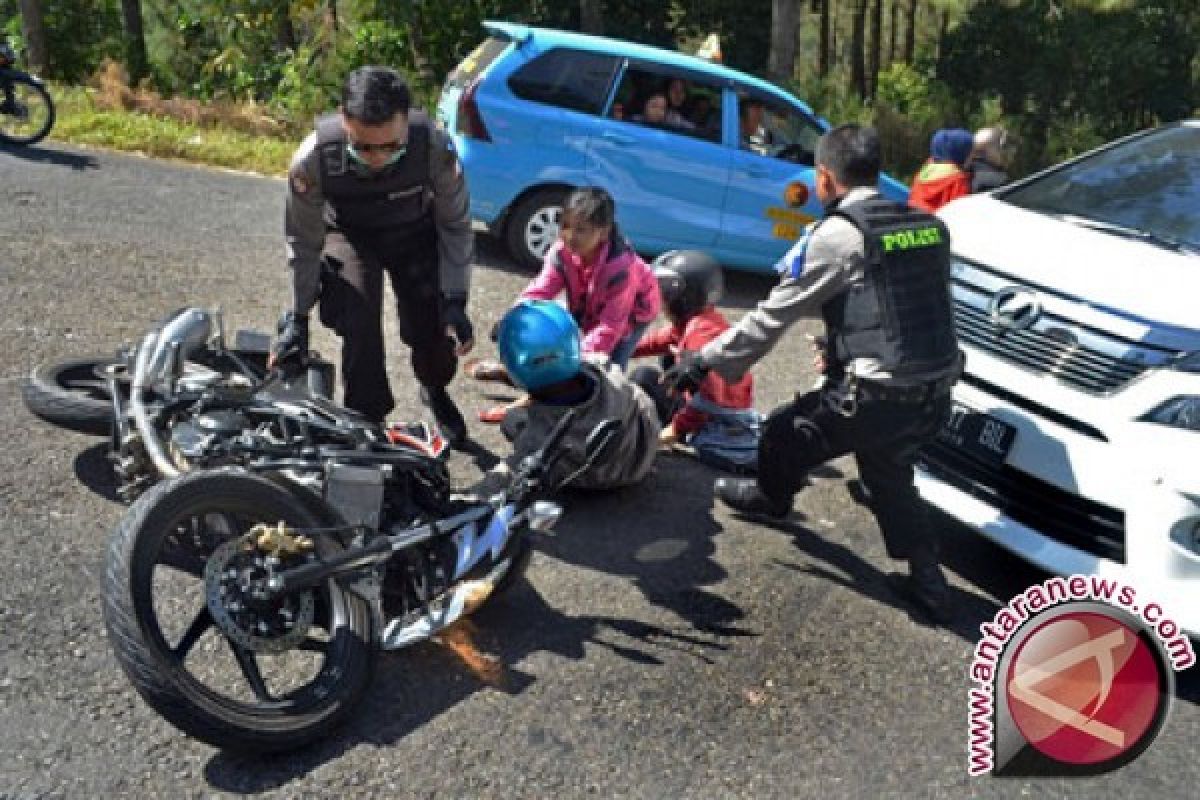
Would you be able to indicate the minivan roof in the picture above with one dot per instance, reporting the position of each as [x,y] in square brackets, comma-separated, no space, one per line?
[549,37]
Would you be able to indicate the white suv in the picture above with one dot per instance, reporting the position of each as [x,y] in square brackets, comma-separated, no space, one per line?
[1076,437]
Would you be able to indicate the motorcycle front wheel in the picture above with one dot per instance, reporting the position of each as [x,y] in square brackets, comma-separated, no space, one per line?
[245,676]
[26,111]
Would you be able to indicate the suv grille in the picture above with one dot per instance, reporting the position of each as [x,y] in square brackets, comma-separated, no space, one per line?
[1082,357]
[1042,352]
[1066,517]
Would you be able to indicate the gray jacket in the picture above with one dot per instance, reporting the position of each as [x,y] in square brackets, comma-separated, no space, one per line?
[614,396]
[828,260]
[304,220]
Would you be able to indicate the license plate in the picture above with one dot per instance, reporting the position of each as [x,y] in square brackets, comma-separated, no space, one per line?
[980,435]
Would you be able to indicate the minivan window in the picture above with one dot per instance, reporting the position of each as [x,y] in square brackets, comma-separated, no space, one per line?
[771,129]
[670,102]
[1148,188]
[566,78]
[479,60]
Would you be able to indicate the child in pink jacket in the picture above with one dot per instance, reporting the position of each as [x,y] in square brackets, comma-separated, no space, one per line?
[610,291]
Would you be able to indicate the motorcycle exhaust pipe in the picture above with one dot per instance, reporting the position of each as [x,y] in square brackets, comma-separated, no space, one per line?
[460,601]
[141,418]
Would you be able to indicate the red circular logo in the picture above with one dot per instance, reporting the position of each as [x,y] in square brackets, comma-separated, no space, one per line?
[1084,688]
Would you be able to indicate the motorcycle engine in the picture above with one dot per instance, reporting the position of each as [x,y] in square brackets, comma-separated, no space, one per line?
[192,437]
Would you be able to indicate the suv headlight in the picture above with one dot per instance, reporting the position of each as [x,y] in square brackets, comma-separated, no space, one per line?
[1178,412]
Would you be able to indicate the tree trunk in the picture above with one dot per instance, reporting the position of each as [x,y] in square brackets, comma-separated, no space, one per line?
[876,44]
[785,21]
[826,43]
[591,16]
[891,58]
[910,33]
[943,29]
[135,41]
[858,55]
[37,57]
[285,32]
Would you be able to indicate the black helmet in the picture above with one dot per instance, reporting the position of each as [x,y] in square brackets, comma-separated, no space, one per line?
[688,280]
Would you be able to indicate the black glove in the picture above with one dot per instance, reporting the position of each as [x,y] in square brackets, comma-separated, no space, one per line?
[292,342]
[454,315]
[687,374]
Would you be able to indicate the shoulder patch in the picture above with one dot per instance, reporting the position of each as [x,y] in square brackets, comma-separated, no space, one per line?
[792,263]
[300,183]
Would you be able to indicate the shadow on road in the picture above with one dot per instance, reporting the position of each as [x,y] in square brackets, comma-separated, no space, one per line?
[660,535]
[415,686]
[60,158]
[94,471]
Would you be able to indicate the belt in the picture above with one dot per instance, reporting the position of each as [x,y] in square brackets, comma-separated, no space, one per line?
[919,393]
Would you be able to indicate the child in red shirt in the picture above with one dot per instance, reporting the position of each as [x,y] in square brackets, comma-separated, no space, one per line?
[718,420]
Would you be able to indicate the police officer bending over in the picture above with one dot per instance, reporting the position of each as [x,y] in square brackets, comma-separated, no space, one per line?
[878,273]
[376,189]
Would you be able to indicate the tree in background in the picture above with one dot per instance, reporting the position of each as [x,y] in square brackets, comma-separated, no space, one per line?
[135,40]
[785,22]
[34,31]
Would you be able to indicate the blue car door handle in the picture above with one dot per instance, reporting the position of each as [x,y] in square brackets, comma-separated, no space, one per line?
[616,138]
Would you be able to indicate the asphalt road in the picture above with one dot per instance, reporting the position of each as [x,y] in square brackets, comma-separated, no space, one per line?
[663,648]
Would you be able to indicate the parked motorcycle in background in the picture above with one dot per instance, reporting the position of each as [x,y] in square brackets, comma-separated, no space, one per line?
[26,110]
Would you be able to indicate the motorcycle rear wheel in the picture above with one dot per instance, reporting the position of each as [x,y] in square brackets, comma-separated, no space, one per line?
[73,394]
[165,541]
[31,115]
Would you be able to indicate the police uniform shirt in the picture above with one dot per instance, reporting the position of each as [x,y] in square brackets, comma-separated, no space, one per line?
[827,260]
[304,221]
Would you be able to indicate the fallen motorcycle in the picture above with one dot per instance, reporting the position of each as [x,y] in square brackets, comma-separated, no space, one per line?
[247,608]
[181,400]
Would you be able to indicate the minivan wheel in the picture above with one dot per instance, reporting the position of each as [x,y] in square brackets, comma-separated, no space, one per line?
[533,227]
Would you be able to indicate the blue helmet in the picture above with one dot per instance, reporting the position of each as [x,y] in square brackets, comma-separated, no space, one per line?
[539,344]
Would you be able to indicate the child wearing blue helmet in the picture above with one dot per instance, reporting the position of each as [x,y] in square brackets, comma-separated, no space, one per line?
[539,343]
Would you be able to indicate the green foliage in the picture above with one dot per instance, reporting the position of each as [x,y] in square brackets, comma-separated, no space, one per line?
[1092,76]
[79,34]
[1061,74]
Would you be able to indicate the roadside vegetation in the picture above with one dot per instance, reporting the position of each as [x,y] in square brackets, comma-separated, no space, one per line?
[238,82]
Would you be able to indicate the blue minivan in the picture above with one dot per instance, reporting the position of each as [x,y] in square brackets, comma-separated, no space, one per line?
[696,154]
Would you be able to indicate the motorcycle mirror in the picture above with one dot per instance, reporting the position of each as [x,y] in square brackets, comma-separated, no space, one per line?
[601,440]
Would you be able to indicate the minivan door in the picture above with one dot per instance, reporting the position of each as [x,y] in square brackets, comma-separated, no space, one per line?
[772,194]
[668,175]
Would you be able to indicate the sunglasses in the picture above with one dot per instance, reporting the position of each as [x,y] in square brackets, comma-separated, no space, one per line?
[383,147]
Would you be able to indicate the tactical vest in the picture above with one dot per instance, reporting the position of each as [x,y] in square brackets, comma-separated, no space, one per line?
[396,198]
[901,313]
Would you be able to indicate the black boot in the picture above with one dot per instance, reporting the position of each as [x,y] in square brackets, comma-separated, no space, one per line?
[448,417]
[925,584]
[743,494]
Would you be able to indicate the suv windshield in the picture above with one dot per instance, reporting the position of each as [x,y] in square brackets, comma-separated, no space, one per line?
[1148,189]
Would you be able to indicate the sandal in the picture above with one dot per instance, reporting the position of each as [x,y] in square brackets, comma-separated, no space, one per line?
[486,369]
[494,415]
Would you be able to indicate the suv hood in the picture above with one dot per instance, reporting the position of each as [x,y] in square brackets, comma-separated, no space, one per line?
[1133,279]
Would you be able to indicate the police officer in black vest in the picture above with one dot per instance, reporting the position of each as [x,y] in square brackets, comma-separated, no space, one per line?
[377,189]
[877,272]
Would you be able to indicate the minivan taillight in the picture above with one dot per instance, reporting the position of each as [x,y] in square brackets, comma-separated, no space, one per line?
[470,121]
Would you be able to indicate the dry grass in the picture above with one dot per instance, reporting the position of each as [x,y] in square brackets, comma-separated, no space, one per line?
[113,93]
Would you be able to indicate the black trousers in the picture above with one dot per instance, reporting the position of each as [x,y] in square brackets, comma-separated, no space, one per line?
[358,263]
[884,436]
